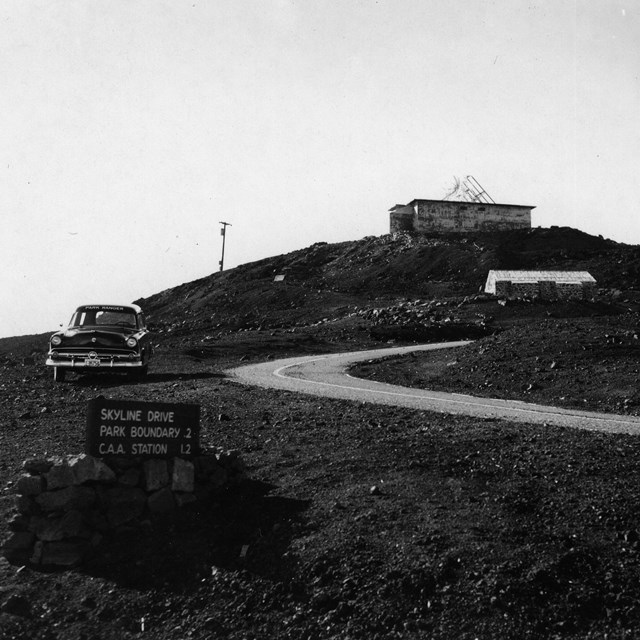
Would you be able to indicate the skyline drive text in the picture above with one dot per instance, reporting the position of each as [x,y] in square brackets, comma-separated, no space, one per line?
[129,428]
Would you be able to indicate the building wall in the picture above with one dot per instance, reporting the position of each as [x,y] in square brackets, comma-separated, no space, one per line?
[401,219]
[429,216]
[547,290]
[464,217]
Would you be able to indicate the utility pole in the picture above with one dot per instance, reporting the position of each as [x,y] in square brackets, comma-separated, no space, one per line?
[223,233]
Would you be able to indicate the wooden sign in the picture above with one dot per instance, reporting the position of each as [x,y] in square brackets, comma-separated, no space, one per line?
[142,429]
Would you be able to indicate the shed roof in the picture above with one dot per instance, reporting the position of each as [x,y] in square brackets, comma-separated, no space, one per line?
[536,276]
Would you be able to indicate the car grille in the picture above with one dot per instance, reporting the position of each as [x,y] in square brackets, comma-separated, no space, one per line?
[79,353]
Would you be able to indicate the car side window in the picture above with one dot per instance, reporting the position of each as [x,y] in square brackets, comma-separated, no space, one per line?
[141,322]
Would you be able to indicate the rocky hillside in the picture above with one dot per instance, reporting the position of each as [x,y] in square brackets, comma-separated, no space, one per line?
[337,280]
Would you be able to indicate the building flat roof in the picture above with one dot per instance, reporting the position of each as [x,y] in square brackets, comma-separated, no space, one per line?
[568,277]
[475,204]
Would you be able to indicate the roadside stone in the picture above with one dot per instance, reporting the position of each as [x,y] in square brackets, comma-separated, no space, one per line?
[25,504]
[162,501]
[17,605]
[183,499]
[183,475]
[18,522]
[67,499]
[124,504]
[98,521]
[64,554]
[37,465]
[36,556]
[156,474]
[96,539]
[118,495]
[89,469]
[47,529]
[130,478]
[59,476]
[70,525]
[19,540]
[30,485]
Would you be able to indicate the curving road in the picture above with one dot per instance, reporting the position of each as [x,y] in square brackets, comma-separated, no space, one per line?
[325,375]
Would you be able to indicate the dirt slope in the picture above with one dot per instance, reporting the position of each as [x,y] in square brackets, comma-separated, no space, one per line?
[331,280]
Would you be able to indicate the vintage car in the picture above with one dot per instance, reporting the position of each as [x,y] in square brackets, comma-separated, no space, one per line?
[101,337]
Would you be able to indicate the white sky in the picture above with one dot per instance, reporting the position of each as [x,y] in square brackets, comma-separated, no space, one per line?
[130,128]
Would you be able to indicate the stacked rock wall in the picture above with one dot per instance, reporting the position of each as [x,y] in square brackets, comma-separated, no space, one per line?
[66,505]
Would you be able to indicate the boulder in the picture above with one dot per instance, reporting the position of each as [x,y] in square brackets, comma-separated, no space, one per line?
[19,540]
[162,501]
[156,474]
[124,504]
[183,475]
[66,499]
[130,478]
[37,465]
[86,468]
[30,485]
[68,553]
[59,476]
[70,525]
[183,499]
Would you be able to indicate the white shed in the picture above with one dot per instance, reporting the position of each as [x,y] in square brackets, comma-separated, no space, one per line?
[549,285]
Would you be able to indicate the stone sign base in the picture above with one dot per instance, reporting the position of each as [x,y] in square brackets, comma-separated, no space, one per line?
[66,505]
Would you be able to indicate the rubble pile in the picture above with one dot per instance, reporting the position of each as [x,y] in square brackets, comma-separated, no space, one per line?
[413,311]
[426,321]
[65,506]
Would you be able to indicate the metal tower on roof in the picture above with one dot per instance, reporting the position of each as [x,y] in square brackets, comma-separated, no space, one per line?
[469,190]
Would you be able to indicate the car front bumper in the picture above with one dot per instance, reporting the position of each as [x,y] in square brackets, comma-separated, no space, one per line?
[95,363]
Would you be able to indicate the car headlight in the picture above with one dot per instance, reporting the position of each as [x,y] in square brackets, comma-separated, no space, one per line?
[132,342]
[56,341]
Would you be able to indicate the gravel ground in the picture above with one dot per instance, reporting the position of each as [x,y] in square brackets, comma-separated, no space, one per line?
[361,521]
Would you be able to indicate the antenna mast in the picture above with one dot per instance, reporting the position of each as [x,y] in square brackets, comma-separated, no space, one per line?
[469,189]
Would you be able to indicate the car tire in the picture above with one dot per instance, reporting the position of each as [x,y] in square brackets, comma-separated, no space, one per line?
[140,374]
[59,374]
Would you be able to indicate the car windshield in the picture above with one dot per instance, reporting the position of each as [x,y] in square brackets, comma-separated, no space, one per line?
[103,316]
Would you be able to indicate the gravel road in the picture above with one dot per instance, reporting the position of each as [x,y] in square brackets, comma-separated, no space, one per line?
[325,375]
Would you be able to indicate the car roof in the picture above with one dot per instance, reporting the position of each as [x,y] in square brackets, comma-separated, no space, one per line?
[111,307]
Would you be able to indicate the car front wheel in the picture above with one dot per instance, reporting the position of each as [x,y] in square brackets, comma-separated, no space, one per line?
[139,374]
[59,374]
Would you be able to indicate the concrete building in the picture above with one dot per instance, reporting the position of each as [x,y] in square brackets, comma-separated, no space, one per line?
[548,285]
[438,216]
